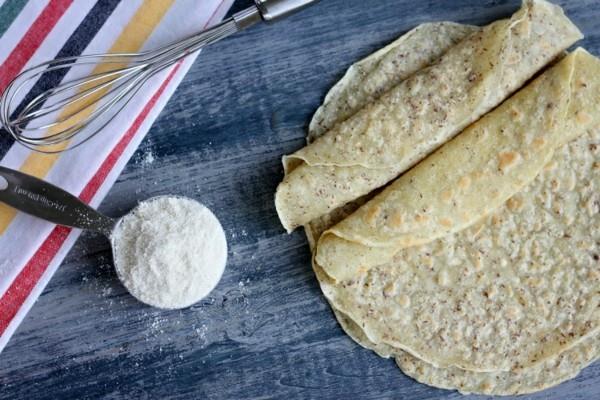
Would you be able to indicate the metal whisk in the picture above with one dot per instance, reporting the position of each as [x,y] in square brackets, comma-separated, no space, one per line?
[72,112]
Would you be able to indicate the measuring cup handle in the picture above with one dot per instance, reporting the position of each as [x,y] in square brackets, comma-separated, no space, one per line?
[44,200]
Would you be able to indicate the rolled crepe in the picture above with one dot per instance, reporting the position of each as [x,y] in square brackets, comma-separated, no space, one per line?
[368,79]
[391,134]
[472,174]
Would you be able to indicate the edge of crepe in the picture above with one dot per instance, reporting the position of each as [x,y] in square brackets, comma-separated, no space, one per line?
[526,8]
[385,350]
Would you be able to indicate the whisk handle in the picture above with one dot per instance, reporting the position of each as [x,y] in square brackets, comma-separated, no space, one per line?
[272,10]
[268,11]
[46,201]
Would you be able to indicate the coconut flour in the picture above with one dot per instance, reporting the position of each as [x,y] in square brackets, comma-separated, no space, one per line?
[170,252]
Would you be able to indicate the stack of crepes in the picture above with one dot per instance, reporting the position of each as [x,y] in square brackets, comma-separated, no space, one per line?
[478,266]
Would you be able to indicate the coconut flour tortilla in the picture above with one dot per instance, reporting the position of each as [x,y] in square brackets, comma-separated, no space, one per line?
[519,286]
[551,372]
[551,369]
[394,132]
[470,175]
[366,80]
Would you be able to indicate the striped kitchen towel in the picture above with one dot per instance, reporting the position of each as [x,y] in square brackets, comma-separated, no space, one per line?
[33,31]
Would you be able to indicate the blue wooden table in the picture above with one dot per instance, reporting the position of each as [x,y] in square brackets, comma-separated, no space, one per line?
[266,331]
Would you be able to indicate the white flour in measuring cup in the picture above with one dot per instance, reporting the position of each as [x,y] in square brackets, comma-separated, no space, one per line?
[170,252]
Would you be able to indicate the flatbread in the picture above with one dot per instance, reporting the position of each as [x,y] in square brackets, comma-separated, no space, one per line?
[391,134]
[518,287]
[470,175]
[550,372]
[366,80]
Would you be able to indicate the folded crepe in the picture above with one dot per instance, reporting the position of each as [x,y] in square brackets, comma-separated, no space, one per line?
[470,175]
[366,80]
[391,134]
[489,308]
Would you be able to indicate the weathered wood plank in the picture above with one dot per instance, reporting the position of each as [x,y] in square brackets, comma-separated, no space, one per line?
[266,331]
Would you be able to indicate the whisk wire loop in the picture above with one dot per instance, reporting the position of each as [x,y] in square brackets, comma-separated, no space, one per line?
[97,87]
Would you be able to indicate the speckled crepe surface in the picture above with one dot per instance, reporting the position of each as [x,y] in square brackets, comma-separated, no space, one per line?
[519,285]
[406,123]
[564,192]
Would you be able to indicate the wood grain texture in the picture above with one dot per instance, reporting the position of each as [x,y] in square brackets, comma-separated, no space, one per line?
[266,331]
